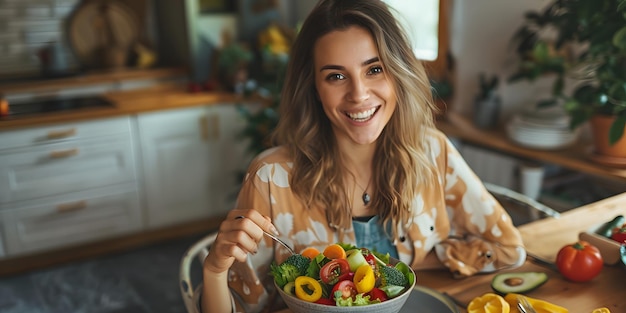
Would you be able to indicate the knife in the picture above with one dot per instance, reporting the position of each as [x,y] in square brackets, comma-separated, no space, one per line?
[541,261]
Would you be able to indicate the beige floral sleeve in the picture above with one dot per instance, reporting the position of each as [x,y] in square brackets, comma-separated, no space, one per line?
[482,237]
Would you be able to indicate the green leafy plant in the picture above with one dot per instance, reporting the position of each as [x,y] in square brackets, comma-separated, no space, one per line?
[488,86]
[582,41]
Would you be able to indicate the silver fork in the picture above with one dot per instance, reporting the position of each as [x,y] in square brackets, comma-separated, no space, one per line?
[284,244]
[524,306]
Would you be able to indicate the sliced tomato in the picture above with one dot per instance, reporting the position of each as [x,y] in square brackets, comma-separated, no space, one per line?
[326,301]
[347,289]
[377,294]
[334,271]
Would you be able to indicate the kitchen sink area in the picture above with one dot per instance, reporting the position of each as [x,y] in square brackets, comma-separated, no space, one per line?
[47,105]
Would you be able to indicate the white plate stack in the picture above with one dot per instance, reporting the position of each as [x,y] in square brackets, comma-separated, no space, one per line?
[545,129]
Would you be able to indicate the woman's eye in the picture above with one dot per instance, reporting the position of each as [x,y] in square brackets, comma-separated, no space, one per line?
[376,70]
[335,77]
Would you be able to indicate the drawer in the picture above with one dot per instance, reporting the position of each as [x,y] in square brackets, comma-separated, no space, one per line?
[70,220]
[65,167]
[64,132]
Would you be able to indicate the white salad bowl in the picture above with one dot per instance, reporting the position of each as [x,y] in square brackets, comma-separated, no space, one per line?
[390,306]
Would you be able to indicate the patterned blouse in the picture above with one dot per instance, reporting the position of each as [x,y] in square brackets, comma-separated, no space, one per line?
[454,215]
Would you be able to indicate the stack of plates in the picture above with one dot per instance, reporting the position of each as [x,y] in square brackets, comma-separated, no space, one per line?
[542,130]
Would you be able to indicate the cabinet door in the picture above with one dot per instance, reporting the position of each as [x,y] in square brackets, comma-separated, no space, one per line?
[229,151]
[175,147]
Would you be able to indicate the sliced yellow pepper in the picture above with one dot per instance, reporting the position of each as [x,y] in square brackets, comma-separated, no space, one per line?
[308,289]
[541,306]
[489,303]
[364,278]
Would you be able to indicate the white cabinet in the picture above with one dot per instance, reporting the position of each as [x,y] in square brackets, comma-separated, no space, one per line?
[78,182]
[189,162]
[69,183]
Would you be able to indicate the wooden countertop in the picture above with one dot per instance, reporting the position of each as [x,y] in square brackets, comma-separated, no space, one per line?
[160,97]
[574,157]
[544,238]
[92,78]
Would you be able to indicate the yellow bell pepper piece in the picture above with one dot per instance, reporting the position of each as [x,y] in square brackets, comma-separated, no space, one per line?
[364,278]
[489,303]
[308,289]
[601,310]
[541,306]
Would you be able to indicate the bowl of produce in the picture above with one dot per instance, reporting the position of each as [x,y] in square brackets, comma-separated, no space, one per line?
[343,278]
[607,237]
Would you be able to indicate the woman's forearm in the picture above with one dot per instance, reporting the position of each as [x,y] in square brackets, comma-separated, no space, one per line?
[216,296]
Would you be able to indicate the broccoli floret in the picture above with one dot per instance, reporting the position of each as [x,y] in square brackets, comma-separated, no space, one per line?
[294,266]
[390,275]
[299,261]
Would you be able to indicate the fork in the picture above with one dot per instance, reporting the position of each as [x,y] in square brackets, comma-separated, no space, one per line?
[284,244]
[524,306]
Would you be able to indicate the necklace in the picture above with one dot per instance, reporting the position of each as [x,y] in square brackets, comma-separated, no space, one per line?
[365,196]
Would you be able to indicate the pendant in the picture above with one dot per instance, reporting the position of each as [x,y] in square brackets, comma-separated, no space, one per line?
[366,198]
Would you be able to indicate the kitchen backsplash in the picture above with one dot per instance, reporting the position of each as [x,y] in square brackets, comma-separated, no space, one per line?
[26,26]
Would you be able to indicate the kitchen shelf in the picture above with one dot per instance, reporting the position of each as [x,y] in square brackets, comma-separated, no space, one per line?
[574,157]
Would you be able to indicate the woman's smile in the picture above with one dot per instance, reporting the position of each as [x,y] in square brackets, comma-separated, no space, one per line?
[362,116]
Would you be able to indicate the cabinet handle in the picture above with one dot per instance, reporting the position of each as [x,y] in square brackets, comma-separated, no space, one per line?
[71,207]
[203,123]
[63,153]
[209,127]
[60,134]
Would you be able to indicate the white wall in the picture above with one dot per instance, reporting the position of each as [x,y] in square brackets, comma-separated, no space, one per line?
[480,41]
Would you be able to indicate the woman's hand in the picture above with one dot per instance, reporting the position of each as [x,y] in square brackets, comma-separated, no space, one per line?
[238,235]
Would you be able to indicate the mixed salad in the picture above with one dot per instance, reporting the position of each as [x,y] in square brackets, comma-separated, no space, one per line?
[342,275]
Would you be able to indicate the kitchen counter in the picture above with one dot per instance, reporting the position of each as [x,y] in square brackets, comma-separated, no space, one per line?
[159,97]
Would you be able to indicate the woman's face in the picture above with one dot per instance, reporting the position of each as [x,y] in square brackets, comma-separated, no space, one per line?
[356,93]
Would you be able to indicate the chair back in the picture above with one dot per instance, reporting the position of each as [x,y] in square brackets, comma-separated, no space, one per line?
[521,208]
[198,251]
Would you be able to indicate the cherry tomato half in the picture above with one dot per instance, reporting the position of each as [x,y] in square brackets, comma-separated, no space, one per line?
[334,271]
[326,301]
[377,294]
[347,289]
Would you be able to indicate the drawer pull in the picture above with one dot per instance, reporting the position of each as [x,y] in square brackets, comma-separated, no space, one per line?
[63,153]
[209,127]
[60,134]
[204,127]
[71,207]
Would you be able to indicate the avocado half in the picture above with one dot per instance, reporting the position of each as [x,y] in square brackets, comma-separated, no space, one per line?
[523,282]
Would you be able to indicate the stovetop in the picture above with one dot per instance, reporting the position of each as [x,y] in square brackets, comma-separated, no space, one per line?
[42,106]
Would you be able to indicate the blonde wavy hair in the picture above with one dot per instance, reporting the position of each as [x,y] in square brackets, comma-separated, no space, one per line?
[400,161]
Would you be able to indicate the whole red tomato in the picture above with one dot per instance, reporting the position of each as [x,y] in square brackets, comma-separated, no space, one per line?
[579,262]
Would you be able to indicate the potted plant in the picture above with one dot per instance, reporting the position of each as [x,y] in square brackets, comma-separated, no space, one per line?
[583,44]
[487,102]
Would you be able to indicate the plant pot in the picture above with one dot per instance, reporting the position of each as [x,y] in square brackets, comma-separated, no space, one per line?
[487,111]
[600,125]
